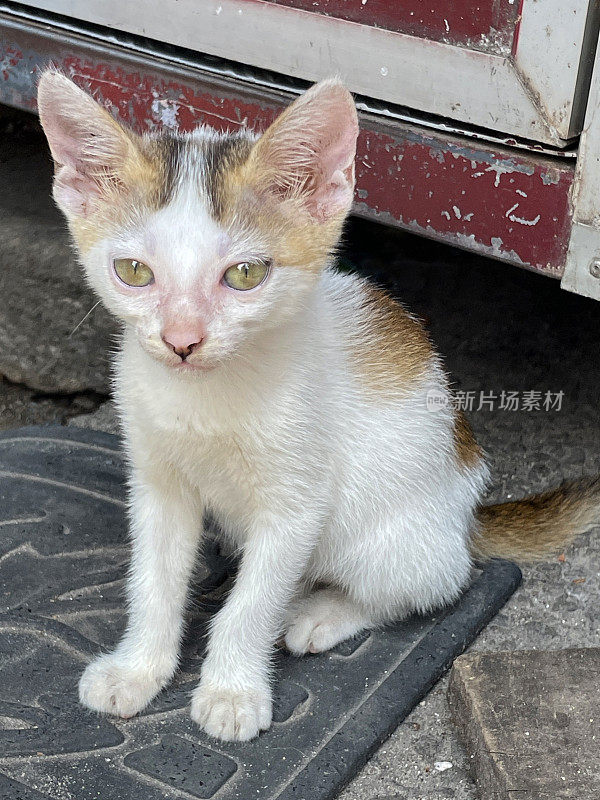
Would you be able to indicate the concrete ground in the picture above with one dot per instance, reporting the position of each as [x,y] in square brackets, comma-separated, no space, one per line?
[499,329]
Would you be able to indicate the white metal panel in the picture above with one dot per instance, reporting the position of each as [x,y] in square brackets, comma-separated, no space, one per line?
[532,98]
[554,57]
[582,268]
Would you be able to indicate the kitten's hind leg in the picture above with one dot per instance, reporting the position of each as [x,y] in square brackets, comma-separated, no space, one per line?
[323,619]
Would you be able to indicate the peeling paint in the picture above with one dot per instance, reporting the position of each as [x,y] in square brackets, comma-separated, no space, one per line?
[496,249]
[550,177]
[522,221]
[506,167]
[166,113]
[438,155]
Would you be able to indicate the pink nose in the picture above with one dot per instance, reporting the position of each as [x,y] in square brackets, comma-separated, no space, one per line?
[183,341]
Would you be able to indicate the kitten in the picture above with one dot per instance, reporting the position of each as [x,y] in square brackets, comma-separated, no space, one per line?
[292,401]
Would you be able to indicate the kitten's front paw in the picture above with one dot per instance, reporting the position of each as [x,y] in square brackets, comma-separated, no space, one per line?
[231,715]
[111,686]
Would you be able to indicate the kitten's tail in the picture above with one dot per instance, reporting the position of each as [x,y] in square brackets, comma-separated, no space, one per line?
[539,525]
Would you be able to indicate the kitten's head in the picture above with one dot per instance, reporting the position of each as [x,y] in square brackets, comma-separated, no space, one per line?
[202,242]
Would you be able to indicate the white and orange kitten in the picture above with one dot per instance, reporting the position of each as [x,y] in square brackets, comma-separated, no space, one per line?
[291,401]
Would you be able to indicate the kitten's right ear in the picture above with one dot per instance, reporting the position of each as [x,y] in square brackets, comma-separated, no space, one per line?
[88,146]
[308,152]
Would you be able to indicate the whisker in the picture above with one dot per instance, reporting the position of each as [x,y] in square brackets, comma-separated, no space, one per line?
[84,319]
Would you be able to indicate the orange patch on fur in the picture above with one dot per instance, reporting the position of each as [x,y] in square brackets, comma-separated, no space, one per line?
[391,349]
[468,452]
[538,526]
[139,185]
[293,237]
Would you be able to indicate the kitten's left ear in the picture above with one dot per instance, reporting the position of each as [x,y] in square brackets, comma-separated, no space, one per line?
[90,149]
[308,152]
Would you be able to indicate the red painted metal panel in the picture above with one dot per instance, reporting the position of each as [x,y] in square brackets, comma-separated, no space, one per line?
[508,204]
[486,24]
[149,104]
[498,202]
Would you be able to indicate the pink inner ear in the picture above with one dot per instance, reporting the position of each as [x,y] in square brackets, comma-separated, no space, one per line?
[73,191]
[340,153]
[334,192]
[310,150]
[74,188]
[331,198]
[66,147]
[84,140]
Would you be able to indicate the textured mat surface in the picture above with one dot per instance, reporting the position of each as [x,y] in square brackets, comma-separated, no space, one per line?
[63,556]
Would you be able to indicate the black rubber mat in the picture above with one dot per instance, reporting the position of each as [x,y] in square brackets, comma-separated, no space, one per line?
[63,556]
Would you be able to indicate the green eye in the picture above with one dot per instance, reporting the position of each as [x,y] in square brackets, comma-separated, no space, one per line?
[132,272]
[246,275]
